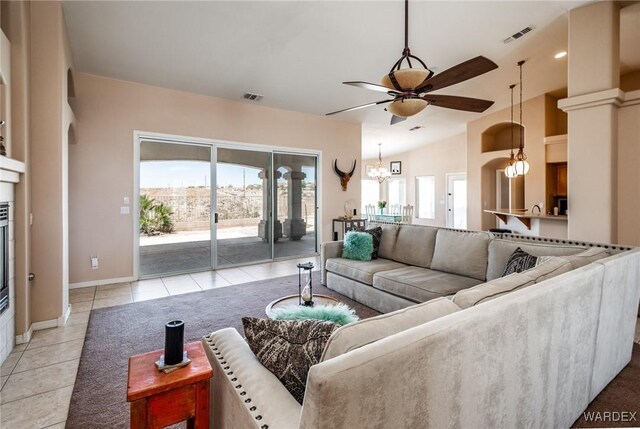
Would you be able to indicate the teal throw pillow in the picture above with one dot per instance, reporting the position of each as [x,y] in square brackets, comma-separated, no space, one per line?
[357,246]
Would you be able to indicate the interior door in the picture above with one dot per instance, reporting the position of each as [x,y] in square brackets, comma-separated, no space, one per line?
[457,201]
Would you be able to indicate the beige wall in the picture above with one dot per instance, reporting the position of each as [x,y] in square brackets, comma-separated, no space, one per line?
[435,159]
[481,166]
[628,174]
[15,23]
[101,162]
[49,122]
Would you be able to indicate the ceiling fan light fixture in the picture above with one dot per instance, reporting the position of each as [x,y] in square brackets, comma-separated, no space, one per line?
[408,79]
[406,107]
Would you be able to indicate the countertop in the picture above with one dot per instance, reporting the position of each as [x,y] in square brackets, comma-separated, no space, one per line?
[525,214]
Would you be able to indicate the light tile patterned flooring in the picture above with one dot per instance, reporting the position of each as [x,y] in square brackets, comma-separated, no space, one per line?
[37,378]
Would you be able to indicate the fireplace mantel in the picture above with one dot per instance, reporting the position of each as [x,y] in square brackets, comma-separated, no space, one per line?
[10,169]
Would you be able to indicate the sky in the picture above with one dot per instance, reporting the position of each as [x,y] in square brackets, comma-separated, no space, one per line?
[179,174]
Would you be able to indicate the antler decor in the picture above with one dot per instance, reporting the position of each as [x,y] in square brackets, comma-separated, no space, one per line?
[344,177]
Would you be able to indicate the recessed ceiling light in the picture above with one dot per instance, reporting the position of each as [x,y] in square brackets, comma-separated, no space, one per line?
[560,54]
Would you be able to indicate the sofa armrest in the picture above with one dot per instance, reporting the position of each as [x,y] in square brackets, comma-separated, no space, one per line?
[329,249]
[243,392]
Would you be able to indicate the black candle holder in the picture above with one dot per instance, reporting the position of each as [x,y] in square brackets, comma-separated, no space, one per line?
[305,268]
[174,342]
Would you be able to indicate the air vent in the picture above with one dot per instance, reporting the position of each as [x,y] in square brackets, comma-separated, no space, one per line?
[416,128]
[519,34]
[252,97]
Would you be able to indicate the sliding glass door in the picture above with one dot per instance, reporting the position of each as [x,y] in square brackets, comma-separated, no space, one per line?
[175,208]
[243,195]
[296,204]
[204,206]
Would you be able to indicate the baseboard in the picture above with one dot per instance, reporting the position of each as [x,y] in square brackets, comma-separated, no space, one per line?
[26,337]
[45,324]
[62,320]
[101,282]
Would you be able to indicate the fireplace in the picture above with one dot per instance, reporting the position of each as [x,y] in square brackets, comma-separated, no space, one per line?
[4,257]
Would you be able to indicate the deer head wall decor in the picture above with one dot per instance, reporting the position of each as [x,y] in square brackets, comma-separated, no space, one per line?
[344,177]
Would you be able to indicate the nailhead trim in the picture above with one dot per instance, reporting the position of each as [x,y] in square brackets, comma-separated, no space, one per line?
[238,386]
[252,408]
[258,417]
[243,393]
[264,427]
[234,379]
[246,401]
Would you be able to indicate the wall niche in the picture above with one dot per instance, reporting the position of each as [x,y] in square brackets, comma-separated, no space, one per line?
[498,137]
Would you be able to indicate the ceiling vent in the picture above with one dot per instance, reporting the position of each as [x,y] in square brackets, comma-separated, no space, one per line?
[252,97]
[416,128]
[519,34]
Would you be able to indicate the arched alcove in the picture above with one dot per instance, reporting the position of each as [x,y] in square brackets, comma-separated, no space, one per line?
[512,194]
[71,134]
[498,137]
[71,88]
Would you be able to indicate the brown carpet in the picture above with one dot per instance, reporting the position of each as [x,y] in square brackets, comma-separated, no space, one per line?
[115,333]
[620,398]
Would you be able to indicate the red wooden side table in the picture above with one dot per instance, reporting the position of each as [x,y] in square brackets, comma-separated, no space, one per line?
[159,399]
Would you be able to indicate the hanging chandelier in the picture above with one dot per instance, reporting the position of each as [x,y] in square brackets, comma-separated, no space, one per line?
[379,173]
[510,171]
[521,165]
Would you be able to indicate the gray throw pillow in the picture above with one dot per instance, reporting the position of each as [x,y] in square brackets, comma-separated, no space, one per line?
[288,348]
[519,261]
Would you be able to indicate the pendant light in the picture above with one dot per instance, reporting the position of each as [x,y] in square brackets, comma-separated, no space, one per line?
[521,165]
[510,171]
[379,173]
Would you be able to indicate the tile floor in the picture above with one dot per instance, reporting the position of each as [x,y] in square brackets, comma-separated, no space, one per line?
[37,378]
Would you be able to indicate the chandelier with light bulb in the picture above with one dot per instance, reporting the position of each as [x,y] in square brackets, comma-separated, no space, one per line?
[379,173]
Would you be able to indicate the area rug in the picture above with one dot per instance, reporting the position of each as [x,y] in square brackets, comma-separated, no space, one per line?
[115,333]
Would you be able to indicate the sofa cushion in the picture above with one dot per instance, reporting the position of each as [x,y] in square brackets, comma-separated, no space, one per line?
[288,348]
[363,332]
[463,253]
[415,245]
[357,246]
[518,262]
[361,271]
[550,267]
[500,250]
[421,284]
[588,256]
[388,241]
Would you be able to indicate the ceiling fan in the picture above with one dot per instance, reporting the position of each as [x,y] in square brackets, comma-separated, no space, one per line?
[409,88]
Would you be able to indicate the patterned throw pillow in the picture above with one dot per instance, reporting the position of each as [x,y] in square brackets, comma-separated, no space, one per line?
[358,246]
[519,261]
[376,234]
[288,348]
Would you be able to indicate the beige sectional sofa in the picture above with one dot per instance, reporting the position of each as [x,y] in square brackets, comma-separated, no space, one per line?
[462,348]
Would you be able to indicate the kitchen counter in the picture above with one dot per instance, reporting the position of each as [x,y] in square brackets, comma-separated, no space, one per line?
[524,216]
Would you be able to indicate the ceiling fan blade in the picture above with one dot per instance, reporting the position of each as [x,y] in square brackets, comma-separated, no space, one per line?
[372,86]
[375,103]
[456,74]
[395,119]
[458,103]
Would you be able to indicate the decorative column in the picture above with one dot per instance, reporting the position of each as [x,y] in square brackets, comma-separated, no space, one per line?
[295,227]
[592,109]
[264,225]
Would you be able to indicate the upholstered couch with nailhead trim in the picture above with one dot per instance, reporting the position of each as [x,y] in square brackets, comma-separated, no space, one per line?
[529,350]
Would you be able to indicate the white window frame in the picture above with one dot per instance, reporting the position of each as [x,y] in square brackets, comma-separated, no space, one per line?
[419,202]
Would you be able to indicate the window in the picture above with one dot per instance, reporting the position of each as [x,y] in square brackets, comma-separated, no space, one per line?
[396,191]
[426,197]
[370,193]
